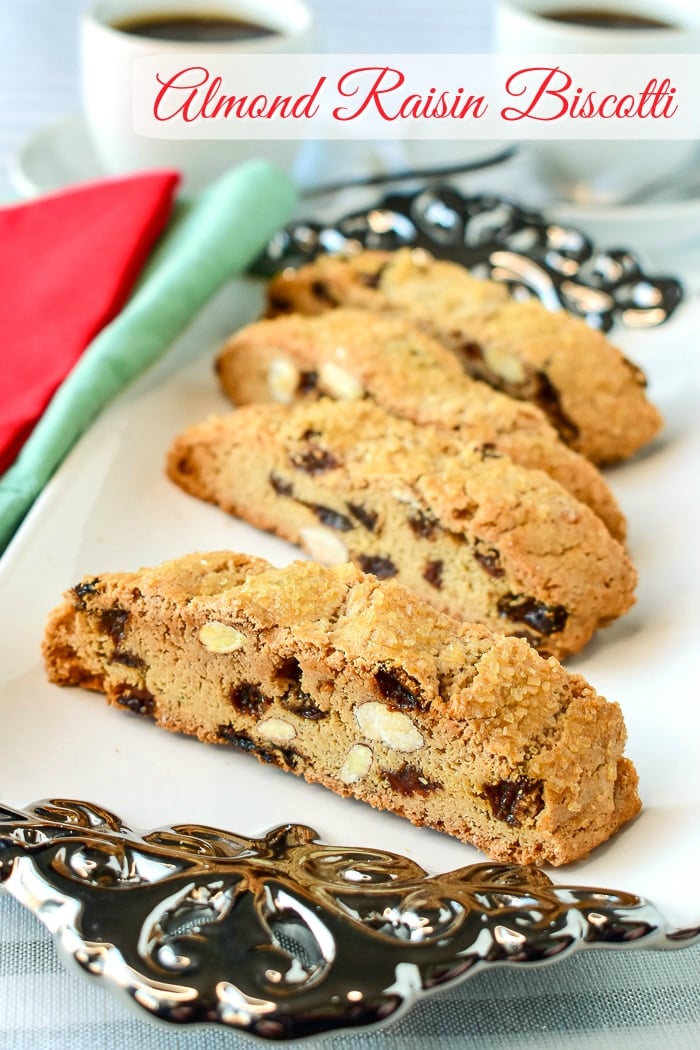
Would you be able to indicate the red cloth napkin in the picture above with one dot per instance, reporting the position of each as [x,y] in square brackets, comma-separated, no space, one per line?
[67,265]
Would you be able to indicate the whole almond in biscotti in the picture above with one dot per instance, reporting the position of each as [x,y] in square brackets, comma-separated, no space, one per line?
[591,393]
[350,354]
[476,535]
[356,684]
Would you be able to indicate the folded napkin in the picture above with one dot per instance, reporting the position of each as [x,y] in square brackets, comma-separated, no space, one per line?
[67,265]
[210,238]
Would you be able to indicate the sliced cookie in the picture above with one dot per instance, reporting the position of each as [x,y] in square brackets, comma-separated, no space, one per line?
[350,354]
[591,393]
[354,683]
[478,536]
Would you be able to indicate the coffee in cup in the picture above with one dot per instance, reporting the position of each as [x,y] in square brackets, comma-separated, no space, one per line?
[590,172]
[116,33]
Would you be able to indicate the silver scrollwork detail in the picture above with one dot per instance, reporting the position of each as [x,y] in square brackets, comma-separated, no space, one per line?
[498,239]
[283,936]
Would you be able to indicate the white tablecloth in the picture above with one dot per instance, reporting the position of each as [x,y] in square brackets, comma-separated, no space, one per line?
[592,1001]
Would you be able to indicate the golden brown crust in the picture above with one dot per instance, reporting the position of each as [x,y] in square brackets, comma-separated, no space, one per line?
[592,394]
[356,684]
[350,353]
[471,532]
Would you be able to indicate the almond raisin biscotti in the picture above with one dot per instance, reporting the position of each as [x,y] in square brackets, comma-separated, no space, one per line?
[353,683]
[592,394]
[470,531]
[349,354]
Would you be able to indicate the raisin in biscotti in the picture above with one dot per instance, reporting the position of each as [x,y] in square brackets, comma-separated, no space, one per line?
[356,684]
[471,532]
[592,394]
[348,354]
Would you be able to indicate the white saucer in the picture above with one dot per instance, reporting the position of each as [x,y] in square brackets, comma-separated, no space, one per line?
[61,155]
[57,156]
[642,227]
[654,227]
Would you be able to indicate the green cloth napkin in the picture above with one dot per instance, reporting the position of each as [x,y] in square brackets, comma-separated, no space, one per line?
[209,239]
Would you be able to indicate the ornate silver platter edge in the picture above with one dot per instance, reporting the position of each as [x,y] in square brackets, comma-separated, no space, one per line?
[285,937]
[495,238]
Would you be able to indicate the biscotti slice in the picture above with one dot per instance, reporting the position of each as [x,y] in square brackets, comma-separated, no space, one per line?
[471,532]
[348,354]
[592,394]
[354,683]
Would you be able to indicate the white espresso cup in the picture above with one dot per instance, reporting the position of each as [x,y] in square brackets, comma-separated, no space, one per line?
[595,172]
[111,41]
